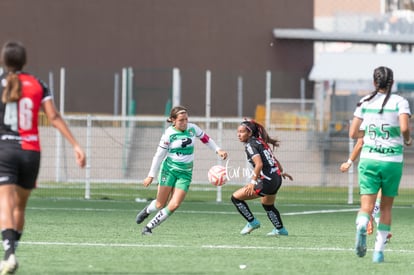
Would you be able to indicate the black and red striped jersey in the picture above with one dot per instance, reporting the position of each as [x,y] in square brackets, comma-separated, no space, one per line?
[19,120]
[256,146]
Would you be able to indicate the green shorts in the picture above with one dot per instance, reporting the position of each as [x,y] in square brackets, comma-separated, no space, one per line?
[374,175]
[175,179]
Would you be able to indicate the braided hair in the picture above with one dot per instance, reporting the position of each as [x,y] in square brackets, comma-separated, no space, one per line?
[259,131]
[383,80]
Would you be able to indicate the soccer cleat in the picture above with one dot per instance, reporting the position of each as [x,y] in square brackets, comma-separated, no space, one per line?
[276,232]
[250,226]
[9,266]
[142,215]
[146,231]
[378,257]
[370,226]
[361,242]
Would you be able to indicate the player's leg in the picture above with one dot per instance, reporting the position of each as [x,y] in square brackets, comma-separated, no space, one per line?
[384,228]
[22,196]
[166,183]
[274,216]
[29,170]
[362,220]
[8,231]
[376,212]
[163,194]
[393,173]
[176,196]
[369,185]
[11,236]
[239,198]
[375,215]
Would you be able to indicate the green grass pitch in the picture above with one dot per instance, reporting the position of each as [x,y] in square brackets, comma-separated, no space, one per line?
[75,236]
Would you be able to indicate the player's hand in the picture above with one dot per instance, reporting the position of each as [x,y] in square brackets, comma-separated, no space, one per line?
[286,175]
[408,142]
[344,167]
[80,156]
[249,189]
[147,181]
[222,154]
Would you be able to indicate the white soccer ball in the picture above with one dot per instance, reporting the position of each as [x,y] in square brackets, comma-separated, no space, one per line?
[217,175]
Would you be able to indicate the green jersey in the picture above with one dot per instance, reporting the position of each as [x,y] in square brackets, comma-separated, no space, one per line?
[176,149]
[382,140]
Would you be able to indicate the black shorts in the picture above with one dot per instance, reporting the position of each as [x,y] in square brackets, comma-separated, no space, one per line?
[18,166]
[268,187]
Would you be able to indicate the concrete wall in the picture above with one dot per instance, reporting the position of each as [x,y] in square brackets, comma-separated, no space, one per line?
[94,39]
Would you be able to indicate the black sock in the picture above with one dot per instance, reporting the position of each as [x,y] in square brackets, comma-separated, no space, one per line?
[18,237]
[243,209]
[9,237]
[273,215]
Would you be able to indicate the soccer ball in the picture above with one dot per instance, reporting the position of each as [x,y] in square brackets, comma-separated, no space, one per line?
[217,175]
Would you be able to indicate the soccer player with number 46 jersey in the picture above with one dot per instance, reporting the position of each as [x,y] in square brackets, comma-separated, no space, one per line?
[22,97]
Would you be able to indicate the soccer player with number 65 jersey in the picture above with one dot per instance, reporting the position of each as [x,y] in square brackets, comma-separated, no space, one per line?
[382,120]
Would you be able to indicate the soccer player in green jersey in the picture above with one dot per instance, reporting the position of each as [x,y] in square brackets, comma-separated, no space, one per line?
[375,215]
[382,119]
[175,155]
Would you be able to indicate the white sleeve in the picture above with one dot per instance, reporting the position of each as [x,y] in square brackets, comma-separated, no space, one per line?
[358,112]
[156,161]
[212,144]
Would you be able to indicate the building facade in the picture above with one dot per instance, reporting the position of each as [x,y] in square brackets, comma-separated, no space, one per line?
[94,39]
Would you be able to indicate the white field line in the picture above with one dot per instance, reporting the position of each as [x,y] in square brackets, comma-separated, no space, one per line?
[326,211]
[200,246]
[208,246]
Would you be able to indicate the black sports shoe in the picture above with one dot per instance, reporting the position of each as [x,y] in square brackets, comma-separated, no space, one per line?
[146,231]
[142,215]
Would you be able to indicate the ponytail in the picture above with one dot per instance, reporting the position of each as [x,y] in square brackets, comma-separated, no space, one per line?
[13,90]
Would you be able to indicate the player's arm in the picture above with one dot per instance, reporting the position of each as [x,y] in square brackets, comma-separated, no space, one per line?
[258,165]
[212,145]
[405,129]
[159,156]
[282,171]
[354,129]
[59,123]
[354,154]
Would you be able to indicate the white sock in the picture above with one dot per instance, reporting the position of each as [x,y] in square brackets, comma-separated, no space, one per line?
[376,208]
[381,240]
[376,212]
[152,207]
[161,216]
[362,221]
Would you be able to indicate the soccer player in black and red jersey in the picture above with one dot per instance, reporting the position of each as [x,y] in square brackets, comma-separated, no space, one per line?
[266,177]
[22,97]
